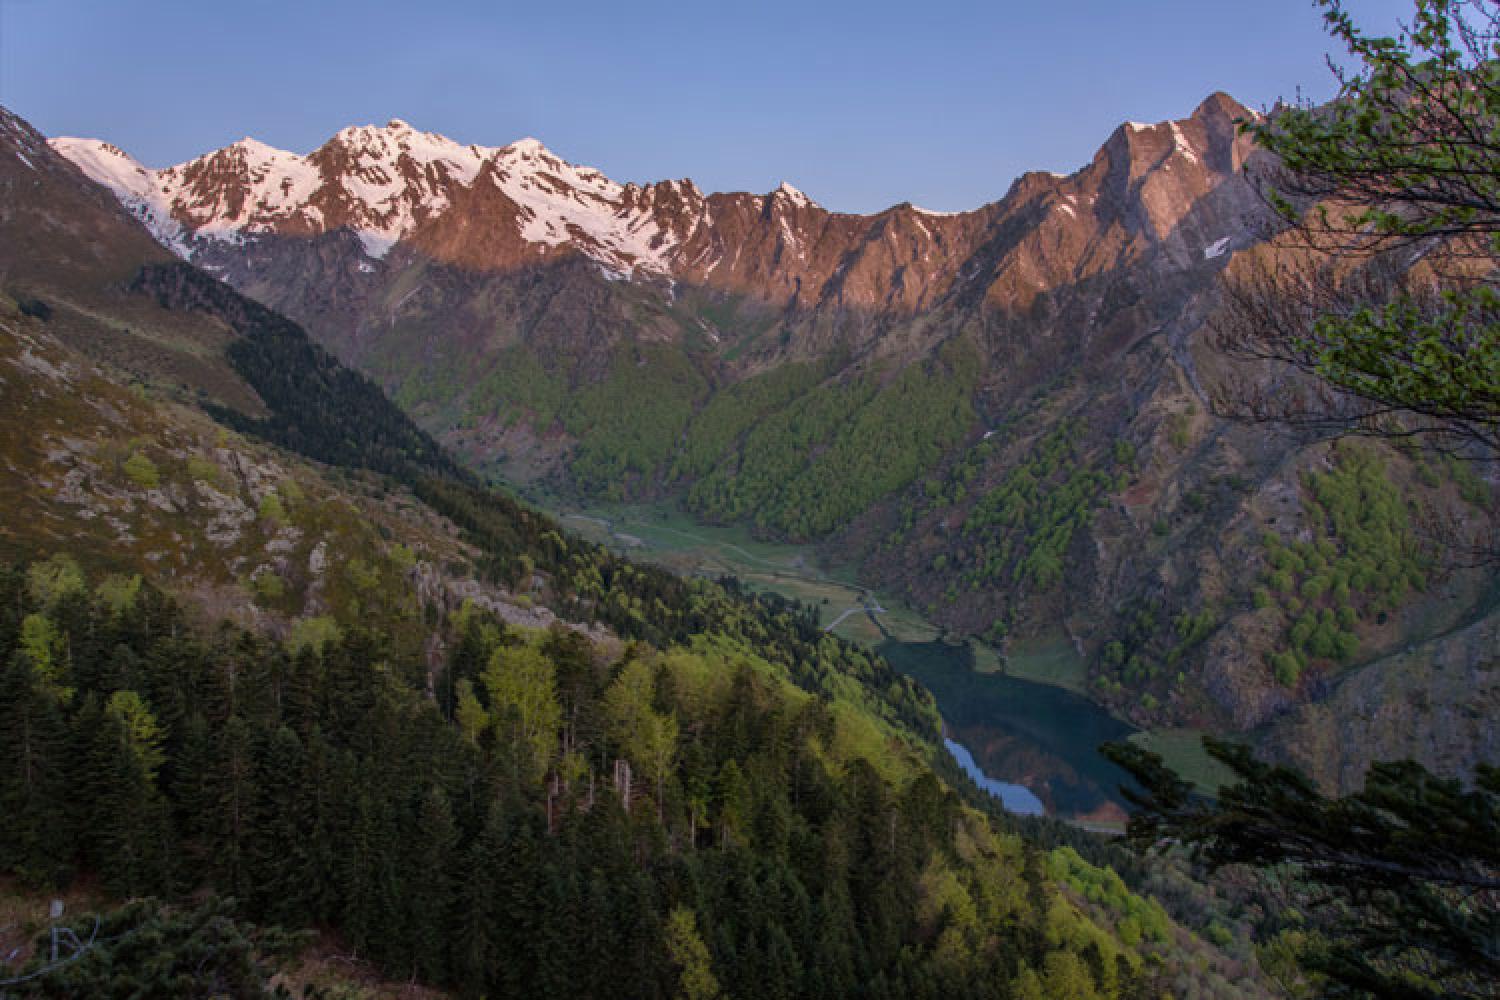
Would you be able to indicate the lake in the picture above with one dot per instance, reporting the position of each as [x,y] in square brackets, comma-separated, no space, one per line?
[1034,744]
[1016,798]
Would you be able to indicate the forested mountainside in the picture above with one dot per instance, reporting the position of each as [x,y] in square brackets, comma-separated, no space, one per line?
[1016,418]
[260,637]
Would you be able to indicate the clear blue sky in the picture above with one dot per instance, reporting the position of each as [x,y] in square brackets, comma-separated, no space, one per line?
[861,104]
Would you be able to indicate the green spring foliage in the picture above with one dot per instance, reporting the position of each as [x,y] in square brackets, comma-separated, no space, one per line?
[1020,531]
[629,424]
[1396,159]
[749,482]
[807,468]
[142,471]
[1136,918]
[200,469]
[1017,533]
[732,412]
[1147,658]
[542,820]
[1360,563]
[516,387]
[588,583]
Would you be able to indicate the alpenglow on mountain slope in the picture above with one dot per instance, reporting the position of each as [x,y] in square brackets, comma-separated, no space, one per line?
[509,207]
[386,184]
[495,320]
[263,639]
[1011,417]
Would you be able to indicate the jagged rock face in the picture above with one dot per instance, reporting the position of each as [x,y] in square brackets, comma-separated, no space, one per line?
[445,269]
[500,210]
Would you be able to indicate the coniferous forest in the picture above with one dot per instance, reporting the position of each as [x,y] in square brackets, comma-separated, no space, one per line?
[529,819]
[1196,448]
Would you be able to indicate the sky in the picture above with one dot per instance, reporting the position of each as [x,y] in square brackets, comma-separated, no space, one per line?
[860,104]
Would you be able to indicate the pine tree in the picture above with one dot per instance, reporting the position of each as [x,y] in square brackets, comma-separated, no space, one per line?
[194,796]
[324,797]
[128,817]
[282,874]
[477,935]
[1402,877]
[430,894]
[232,809]
[37,838]
[695,976]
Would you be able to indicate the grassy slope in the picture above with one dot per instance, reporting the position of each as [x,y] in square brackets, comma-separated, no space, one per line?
[135,484]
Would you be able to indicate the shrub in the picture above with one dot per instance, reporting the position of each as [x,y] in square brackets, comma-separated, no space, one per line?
[271,510]
[1287,668]
[118,593]
[202,470]
[35,308]
[267,586]
[142,471]
[313,633]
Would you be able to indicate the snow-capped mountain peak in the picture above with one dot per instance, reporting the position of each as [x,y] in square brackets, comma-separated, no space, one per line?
[791,194]
[383,182]
[137,187]
[489,209]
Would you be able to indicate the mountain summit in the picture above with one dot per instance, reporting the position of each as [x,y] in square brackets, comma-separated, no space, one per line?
[1008,417]
[508,207]
[392,183]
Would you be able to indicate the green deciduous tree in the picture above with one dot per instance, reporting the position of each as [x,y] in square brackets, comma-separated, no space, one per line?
[1386,288]
[522,689]
[695,978]
[648,737]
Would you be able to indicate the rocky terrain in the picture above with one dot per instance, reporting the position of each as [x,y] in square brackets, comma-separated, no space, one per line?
[1015,417]
[118,460]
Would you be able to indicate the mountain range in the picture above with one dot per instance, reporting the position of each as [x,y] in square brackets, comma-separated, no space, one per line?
[264,637]
[1015,418]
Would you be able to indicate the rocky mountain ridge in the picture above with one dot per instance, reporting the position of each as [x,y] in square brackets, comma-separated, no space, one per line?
[1010,416]
[504,208]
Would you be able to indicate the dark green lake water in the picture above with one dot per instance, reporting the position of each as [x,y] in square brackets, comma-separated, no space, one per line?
[1019,732]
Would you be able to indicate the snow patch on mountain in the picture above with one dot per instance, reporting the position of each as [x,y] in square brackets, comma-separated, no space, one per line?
[563,203]
[1181,145]
[138,188]
[794,196]
[382,182]
[249,186]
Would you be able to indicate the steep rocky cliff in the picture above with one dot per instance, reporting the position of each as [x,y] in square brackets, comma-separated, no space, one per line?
[1015,417]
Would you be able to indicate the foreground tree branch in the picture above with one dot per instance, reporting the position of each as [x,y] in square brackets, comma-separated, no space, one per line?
[1401,880]
[1384,288]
